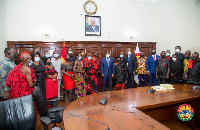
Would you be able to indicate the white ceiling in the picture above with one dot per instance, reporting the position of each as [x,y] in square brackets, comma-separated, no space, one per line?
[148,1]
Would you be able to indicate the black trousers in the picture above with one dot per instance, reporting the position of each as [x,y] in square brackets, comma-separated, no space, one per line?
[130,82]
[161,81]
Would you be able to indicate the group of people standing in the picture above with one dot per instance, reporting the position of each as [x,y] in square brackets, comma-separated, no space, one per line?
[86,74]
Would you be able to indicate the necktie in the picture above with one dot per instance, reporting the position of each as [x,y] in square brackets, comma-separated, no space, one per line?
[94,29]
[128,58]
[108,61]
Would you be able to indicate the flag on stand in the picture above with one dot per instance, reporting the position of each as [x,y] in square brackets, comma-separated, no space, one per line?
[63,60]
[137,54]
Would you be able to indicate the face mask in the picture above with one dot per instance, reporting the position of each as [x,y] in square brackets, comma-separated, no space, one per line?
[162,56]
[96,55]
[167,54]
[67,59]
[118,60]
[13,58]
[30,63]
[177,50]
[56,55]
[47,55]
[153,53]
[187,57]
[141,55]
[129,53]
[70,52]
[174,59]
[79,58]
[37,59]
[107,55]
[89,58]
[48,63]
[121,56]
[194,58]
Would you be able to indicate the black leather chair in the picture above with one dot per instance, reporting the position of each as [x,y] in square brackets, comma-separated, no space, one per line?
[17,114]
[55,114]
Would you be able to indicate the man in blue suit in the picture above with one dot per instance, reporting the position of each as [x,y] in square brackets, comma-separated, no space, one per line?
[130,64]
[92,27]
[151,67]
[107,70]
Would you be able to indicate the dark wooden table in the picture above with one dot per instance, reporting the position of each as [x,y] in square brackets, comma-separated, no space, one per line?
[132,109]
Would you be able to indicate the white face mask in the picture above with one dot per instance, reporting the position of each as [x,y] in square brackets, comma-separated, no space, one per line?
[129,53]
[121,56]
[174,59]
[177,50]
[56,55]
[89,58]
[37,59]
[167,54]
[79,58]
[70,52]
[107,55]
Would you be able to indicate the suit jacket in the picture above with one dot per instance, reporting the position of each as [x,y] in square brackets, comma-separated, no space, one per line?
[151,64]
[90,29]
[132,64]
[105,69]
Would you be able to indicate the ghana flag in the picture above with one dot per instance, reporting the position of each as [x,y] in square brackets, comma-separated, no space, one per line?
[63,60]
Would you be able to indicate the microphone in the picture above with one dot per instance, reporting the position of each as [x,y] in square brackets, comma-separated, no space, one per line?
[104,100]
[72,114]
[144,81]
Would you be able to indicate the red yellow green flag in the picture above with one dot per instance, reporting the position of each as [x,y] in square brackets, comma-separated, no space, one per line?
[63,54]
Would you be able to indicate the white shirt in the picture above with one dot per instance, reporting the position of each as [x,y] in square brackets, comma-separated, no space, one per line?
[57,65]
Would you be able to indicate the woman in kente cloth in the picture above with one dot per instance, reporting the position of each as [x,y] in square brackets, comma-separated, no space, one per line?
[68,79]
[90,74]
[119,73]
[80,86]
[51,82]
[39,72]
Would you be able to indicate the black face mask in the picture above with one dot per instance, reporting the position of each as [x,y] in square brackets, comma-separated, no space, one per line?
[141,55]
[194,58]
[67,59]
[118,60]
[13,58]
[153,53]
[48,63]
[96,55]
[187,57]
[162,56]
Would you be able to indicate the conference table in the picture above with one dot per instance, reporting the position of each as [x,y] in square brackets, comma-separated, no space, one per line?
[132,108]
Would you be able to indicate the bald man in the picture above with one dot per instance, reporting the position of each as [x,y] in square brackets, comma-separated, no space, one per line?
[6,65]
[92,27]
[21,79]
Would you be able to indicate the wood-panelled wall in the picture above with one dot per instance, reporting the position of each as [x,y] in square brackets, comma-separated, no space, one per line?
[88,46]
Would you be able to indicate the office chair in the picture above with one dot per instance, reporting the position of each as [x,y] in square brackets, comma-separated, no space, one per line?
[17,114]
[55,114]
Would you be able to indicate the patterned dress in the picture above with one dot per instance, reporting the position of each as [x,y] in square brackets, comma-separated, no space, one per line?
[80,85]
[120,75]
[185,68]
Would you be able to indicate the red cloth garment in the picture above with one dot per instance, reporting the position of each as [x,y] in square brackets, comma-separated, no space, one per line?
[51,85]
[18,83]
[191,63]
[168,57]
[68,82]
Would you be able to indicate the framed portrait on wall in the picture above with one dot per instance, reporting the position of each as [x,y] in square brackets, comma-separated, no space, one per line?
[92,25]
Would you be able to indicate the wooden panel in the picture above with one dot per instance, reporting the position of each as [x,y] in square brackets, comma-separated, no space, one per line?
[88,46]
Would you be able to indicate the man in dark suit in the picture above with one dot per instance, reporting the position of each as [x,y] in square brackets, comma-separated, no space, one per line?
[151,67]
[92,27]
[130,64]
[107,70]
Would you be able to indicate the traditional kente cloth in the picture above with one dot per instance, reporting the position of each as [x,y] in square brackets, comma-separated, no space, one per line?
[98,73]
[80,85]
[185,68]
[18,83]
[90,78]
[51,85]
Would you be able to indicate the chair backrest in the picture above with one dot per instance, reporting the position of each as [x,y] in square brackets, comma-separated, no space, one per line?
[40,102]
[17,114]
